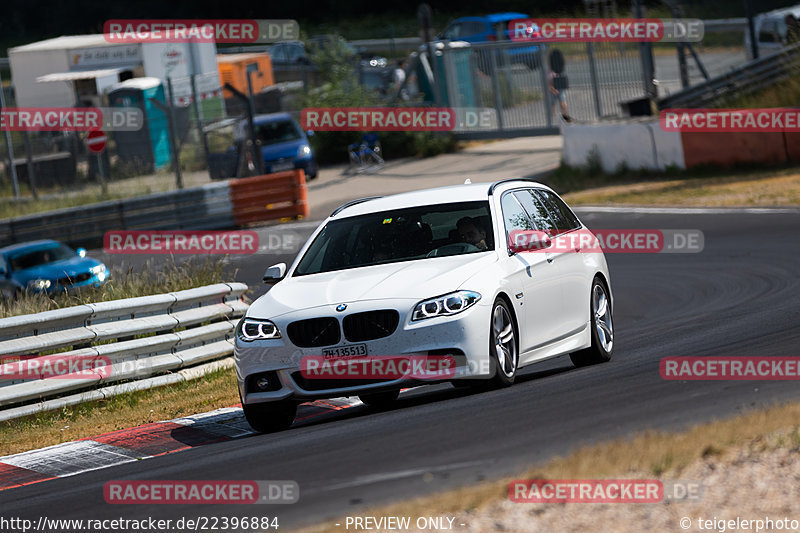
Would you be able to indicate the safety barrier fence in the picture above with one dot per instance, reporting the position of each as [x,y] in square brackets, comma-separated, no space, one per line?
[91,352]
[221,205]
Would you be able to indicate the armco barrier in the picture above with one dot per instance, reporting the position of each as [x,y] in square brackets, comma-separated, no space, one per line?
[215,206]
[274,196]
[140,337]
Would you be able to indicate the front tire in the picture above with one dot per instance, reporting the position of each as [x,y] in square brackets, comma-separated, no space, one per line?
[602,326]
[270,417]
[503,345]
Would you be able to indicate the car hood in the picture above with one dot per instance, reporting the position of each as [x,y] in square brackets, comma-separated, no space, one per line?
[413,280]
[282,150]
[57,269]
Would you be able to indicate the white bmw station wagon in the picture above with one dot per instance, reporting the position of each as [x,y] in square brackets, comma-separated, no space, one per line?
[480,274]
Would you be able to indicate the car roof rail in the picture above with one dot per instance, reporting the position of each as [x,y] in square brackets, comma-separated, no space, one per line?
[496,184]
[352,203]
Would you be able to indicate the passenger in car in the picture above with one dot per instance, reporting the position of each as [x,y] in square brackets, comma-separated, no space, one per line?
[472,232]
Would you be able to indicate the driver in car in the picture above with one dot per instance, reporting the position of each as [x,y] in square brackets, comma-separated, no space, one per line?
[471,232]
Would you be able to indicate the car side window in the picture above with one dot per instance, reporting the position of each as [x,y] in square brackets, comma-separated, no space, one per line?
[452,32]
[278,53]
[294,53]
[563,216]
[514,216]
[537,211]
[474,28]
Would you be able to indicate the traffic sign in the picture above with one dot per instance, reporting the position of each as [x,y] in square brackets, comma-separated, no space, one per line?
[96,141]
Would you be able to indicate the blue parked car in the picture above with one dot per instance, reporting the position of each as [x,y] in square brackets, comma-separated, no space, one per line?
[47,266]
[284,144]
[493,28]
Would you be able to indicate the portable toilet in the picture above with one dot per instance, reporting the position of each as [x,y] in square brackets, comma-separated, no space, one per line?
[149,147]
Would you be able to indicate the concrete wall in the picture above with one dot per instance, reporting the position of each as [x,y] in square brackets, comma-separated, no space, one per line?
[639,145]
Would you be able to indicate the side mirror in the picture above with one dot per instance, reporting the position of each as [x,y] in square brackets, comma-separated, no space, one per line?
[81,252]
[275,273]
[528,241]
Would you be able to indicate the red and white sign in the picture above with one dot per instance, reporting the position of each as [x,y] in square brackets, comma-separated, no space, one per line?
[96,141]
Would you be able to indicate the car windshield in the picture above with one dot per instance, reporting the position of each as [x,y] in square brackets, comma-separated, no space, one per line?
[399,235]
[41,256]
[280,131]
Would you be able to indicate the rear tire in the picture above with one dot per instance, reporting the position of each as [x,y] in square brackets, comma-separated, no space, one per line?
[380,400]
[602,327]
[270,417]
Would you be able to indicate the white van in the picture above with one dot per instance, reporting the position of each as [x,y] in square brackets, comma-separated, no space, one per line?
[772,30]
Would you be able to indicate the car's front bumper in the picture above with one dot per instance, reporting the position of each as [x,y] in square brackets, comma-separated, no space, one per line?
[464,335]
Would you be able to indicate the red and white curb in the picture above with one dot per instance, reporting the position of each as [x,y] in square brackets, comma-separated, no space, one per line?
[142,442]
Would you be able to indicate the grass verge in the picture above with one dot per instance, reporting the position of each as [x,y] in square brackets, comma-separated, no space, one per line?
[648,455]
[741,187]
[212,391]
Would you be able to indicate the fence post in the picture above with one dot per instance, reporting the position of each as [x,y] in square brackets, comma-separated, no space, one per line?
[31,169]
[593,76]
[173,135]
[199,115]
[9,146]
[498,98]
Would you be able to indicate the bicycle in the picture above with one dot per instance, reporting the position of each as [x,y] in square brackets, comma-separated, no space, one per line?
[366,155]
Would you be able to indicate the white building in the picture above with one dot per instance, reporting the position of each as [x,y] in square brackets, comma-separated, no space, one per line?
[76,69]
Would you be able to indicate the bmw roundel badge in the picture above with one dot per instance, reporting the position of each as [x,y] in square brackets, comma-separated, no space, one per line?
[341,307]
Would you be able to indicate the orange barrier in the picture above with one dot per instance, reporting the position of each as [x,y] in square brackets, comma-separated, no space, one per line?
[728,148]
[792,140]
[269,197]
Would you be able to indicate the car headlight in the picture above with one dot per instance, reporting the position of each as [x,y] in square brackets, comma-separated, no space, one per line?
[304,151]
[449,304]
[98,269]
[251,329]
[39,284]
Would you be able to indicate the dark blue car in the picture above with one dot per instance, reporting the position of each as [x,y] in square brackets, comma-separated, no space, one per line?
[284,144]
[47,266]
[494,28]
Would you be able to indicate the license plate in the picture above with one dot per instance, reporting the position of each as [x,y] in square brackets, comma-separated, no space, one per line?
[351,350]
[282,166]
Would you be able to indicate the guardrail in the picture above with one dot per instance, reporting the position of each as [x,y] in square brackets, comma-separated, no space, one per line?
[214,206]
[78,351]
[748,78]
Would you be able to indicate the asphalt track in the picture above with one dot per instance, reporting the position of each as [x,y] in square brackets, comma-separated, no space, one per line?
[740,296]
